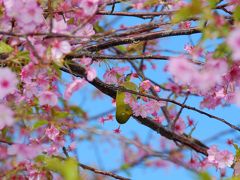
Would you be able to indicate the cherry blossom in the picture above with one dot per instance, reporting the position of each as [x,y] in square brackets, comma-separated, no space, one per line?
[145,85]
[60,48]
[48,98]
[73,87]
[86,32]
[31,13]
[233,41]
[8,82]
[89,6]
[59,26]
[7,116]
[180,65]
[52,49]
[140,110]
[27,13]
[220,159]
[84,61]
[112,76]
[24,151]
[91,73]
[179,126]
[52,133]
[203,79]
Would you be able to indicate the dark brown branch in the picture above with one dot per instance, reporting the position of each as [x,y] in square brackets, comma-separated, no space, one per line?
[105,173]
[182,105]
[141,37]
[117,57]
[144,15]
[5,142]
[111,91]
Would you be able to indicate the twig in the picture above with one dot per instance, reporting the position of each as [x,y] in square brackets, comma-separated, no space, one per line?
[97,171]
[110,90]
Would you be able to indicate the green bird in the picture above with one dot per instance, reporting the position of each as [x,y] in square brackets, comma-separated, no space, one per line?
[123,110]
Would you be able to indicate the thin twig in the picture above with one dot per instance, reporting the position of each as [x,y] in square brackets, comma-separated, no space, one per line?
[97,171]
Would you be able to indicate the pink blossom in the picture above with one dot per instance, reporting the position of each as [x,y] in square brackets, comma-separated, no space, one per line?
[89,6]
[140,110]
[129,99]
[185,25]
[84,61]
[220,159]
[6,118]
[146,85]
[182,69]
[179,126]
[91,73]
[24,151]
[3,152]
[233,41]
[203,79]
[112,76]
[31,13]
[59,26]
[117,130]
[13,7]
[210,102]
[156,88]
[224,159]
[159,119]
[28,14]
[237,97]
[59,48]
[86,32]
[30,90]
[27,72]
[194,162]
[73,87]
[212,153]
[48,98]
[153,106]
[188,48]
[138,4]
[72,146]
[8,82]
[52,150]
[52,133]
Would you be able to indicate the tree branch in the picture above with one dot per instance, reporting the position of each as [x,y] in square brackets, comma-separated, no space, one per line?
[141,37]
[110,90]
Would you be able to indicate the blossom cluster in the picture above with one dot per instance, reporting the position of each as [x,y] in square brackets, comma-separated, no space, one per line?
[40,38]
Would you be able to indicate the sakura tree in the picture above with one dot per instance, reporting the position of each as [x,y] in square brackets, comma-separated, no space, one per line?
[138,76]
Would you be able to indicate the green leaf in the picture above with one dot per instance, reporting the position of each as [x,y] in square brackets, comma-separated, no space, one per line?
[60,114]
[71,169]
[236,13]
[39,123]
[121,48]
[213,3]
[78,111]
[204,176]
[124,111]
[189,11]
[98,28]
[67,168]
[237,156]
[23,55]
[222,51]
[5,48]
[125,167]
